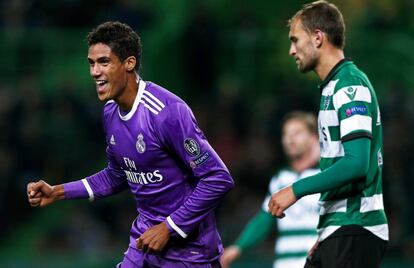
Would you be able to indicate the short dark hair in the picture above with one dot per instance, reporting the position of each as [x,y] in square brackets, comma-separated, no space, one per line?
[324,16]
[120,37]
[309,119]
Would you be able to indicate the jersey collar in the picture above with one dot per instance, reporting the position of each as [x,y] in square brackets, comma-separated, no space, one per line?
[333,72]
[141,88]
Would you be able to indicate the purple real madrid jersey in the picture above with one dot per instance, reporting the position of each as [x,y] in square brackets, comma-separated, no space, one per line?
[174,174]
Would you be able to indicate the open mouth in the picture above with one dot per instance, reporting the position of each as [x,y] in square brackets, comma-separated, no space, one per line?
[100,85]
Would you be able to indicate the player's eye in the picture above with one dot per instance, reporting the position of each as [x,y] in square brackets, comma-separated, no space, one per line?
[104,61]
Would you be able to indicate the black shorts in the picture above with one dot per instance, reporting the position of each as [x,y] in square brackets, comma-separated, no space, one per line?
[349,247]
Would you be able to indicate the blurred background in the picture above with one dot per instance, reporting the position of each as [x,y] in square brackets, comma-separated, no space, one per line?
[228,59]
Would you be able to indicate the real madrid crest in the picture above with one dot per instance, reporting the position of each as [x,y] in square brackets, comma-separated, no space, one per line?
[140,144]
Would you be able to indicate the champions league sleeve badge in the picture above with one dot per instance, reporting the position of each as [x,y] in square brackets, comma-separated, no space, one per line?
[140,144]
[191,147]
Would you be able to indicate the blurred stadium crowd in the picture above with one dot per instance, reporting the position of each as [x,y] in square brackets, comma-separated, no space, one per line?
[228,61]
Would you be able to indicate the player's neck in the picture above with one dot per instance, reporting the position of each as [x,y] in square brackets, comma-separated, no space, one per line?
[127,98]
[329,58]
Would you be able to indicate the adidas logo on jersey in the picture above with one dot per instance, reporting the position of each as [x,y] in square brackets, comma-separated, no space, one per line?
[112,141]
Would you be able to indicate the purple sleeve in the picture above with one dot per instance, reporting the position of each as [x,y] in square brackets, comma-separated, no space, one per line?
[106,182]
[179,131]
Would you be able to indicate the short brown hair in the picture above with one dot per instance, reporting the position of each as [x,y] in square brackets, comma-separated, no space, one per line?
[324,16]
[120,37]
[309,119]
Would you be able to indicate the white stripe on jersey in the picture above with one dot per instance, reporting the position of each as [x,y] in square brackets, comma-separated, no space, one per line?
[329,88]
[327,231]
[371,203]
[361,94]
[149,101]
[380,230]
[154,98]
[289,244]
[294,262]
[176,228]
[332,149]
[332,206]
[329,148]
[88,189]
[356,122]
[149,107]
[328,118]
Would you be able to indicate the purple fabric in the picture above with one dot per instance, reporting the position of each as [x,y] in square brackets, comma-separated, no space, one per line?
[75,190]
[134,258]
[171,169]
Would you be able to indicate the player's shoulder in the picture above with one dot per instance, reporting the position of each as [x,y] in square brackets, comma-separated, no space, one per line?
[158,93]
[109,107]
[350,76]
[164,101]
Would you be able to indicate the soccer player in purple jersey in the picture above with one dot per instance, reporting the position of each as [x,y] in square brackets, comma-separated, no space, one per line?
[154,148]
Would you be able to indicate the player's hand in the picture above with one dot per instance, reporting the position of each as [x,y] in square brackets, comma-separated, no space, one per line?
[39,194]
[230,254]
[154,239]
[280,201]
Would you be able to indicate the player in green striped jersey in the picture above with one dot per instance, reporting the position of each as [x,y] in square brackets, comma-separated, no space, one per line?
[297,233]
[352,227]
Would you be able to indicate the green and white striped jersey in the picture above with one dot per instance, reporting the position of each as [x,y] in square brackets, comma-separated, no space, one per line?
[297,230]
[348,110]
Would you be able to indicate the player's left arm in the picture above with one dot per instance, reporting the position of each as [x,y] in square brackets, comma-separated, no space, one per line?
[355,133]
[357,112]
[352,166]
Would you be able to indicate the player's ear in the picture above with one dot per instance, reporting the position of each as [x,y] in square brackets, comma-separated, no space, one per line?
[318,38]
[130,63]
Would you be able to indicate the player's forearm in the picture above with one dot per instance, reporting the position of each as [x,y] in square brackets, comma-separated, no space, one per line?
[352,166]
[107,182]
[75,190]
[205,198]
[103,183]
[58,192]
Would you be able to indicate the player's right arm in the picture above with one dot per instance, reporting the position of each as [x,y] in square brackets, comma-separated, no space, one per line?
[106,182]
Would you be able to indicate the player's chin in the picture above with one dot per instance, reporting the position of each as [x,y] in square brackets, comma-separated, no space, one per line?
[103,96]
